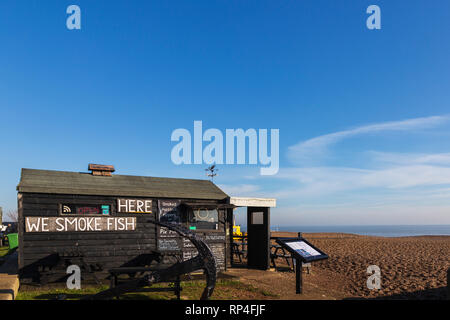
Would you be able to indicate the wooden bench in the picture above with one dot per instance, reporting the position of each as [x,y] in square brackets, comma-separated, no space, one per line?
[237,251]
[238,248]
[131,271]
[276,252]
[55,268]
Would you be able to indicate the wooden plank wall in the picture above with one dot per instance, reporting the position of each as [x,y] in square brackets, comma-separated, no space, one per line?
[108,249]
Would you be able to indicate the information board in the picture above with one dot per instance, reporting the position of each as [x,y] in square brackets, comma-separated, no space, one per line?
[302,249]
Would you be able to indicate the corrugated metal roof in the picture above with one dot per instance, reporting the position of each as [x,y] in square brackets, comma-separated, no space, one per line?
[64,182]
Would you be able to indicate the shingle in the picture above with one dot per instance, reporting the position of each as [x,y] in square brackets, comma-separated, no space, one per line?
[64,182]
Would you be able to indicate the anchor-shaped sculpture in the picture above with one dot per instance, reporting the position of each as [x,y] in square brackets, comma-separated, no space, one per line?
[205,261]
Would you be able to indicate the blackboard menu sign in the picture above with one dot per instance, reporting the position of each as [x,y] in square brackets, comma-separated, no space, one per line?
[167,233]
[216,237]
[302,249]
[169,211]
[187,243]
[189,254]
[168,245]
[218,250]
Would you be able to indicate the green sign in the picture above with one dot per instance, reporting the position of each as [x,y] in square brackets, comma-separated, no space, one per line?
[193,228]
[105,210]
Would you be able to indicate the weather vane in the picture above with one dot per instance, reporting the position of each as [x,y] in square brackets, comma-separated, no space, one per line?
[211,171]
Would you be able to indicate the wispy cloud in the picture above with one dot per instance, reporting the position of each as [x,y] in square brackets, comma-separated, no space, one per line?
[363,215]
[322,181]
[371,186]
[317,146]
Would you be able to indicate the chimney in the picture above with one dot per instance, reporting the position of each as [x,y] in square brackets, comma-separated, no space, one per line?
[101,170]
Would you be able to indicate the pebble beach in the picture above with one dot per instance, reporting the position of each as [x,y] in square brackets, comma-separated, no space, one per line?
[410,267]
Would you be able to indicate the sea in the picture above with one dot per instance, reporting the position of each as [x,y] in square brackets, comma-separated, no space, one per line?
[380,231]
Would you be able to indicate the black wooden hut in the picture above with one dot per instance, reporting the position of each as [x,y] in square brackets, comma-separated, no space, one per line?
[102,220]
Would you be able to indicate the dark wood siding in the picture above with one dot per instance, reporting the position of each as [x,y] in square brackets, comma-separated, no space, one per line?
[108,249]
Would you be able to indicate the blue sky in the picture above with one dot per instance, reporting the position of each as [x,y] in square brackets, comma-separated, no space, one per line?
[363,114]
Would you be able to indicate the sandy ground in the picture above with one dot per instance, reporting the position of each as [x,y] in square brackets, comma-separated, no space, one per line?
[411,268]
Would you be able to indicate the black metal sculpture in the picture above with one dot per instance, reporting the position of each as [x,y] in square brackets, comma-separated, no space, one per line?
[204,260]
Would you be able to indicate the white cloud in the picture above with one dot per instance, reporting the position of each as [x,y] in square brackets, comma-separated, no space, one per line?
[317,146]
[241,190]
[319,181]
[382,188]
[401,214]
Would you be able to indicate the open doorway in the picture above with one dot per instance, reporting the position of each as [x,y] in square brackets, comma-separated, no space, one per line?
[251,248]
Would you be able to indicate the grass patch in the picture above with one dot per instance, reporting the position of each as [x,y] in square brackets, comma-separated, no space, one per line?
[192,290]
[52,294]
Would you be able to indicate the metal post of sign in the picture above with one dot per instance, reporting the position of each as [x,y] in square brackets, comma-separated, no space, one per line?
[302,252]
[298,276]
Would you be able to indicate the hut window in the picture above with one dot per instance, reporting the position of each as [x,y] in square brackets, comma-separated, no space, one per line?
[204,219]
[83,210]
